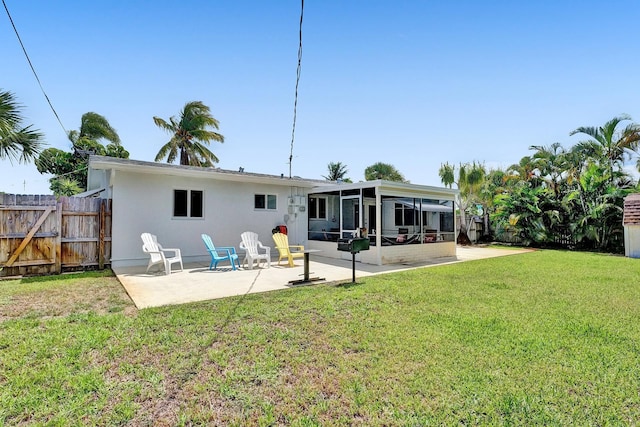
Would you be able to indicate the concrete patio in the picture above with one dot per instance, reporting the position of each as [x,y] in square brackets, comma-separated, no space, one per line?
[197,283]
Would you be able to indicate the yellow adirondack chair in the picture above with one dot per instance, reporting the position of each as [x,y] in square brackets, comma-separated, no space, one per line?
[284,250]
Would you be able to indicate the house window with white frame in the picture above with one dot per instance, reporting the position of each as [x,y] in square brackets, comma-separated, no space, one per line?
[265,202]
[317,208]
[405,215]
[188,203]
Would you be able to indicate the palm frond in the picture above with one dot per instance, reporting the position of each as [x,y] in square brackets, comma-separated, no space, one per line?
[96,127]
[16,142]
[161,123]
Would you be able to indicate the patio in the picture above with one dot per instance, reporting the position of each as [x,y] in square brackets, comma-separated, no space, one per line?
[198,283]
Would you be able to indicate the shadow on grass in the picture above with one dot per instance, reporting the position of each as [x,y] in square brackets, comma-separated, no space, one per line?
[347,285]
[66,276]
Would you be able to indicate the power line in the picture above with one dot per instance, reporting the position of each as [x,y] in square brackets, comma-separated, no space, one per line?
[33,69]
[295,102]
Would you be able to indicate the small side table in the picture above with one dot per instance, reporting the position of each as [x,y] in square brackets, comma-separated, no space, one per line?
[305,276]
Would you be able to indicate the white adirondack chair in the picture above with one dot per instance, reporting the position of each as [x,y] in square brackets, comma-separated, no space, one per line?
[151,246]
[251,245]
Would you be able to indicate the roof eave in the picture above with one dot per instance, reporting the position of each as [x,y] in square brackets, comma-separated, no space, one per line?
[391,186]
[126,165]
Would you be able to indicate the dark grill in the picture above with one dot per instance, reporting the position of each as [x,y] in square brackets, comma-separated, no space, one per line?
[354,246]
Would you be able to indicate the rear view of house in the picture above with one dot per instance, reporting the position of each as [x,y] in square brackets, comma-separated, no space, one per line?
[404,222]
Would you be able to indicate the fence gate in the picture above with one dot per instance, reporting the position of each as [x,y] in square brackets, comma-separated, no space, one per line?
[44,235]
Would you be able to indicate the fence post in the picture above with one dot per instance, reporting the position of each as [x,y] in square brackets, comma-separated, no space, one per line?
[58,241]
[101,226]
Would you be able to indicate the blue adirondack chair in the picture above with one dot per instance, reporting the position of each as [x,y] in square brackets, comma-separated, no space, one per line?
[220,253]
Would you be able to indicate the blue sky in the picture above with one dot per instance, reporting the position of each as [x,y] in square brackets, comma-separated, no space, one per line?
[410,83]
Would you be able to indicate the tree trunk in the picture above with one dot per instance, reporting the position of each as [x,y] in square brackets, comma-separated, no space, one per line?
[486,231]
[463,237]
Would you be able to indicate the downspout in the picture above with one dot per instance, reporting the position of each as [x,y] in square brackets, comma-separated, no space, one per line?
[379,225]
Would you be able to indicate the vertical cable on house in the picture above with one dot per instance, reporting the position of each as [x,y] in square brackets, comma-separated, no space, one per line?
[295,102]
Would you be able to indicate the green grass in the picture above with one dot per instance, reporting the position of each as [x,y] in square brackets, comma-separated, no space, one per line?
[543,338]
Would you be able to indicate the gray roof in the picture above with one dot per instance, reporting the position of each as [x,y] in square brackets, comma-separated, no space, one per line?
[105,162]
[138,166]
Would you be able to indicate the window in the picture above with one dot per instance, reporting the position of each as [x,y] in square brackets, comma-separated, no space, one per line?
[317,208]
[405,214]
[196,204]
[265,201]
[188,203]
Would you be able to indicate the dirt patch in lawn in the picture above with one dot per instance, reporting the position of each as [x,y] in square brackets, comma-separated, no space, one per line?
[62,297]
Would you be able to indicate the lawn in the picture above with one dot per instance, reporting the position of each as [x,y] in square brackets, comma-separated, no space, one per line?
[542,338]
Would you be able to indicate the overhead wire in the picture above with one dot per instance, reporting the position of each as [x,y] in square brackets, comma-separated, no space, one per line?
[295,102]
[32,68]
[24,50]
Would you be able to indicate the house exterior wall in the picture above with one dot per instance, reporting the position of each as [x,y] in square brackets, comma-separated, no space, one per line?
[632,241]
[330,250]
[144,203]
[416,253]
[380,255]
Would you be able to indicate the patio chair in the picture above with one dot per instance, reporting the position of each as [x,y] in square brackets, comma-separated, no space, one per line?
[251,245]
[402,235]
[158,254]
[430,235]
[284,250]
[220,253]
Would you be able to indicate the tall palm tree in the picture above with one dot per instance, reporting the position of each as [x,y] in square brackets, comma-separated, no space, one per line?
[70,168]
[470,179]
[336,170]
[16,142]
[609,144]
[190,136]
[551,164]
[94,127]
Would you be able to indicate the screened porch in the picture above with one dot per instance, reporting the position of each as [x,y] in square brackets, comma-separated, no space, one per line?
[390,214]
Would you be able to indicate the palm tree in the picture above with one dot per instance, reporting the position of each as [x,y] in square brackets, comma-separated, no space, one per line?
[190,136]
[336,170]
[70,168]
[470,180]
[94,127]
[551,164]
[600,220]
[609,144]
[16,142]
[524,170]
[520,211]
[65,187]
[383,171]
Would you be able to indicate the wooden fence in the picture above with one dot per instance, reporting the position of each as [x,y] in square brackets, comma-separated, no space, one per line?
[44,235]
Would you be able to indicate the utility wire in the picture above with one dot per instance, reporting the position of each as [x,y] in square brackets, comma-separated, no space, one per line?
[295,102]
[33,69]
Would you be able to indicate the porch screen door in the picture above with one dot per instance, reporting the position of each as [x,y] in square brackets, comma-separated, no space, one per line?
[349,215]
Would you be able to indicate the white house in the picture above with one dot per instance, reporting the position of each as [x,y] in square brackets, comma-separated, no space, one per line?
[404,222]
